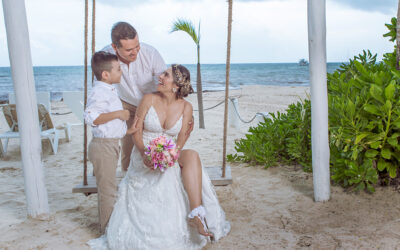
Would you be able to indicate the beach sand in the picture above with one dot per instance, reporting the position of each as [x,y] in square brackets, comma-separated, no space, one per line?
[268,209]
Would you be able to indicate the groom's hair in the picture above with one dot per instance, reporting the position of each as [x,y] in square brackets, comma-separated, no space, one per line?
[102,61]
[122,30]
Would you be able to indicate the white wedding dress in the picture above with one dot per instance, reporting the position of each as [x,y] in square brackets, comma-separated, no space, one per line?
[152,206]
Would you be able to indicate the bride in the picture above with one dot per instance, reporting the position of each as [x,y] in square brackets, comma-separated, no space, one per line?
[174,209]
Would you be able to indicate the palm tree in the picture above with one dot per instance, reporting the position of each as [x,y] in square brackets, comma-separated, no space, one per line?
[188,27]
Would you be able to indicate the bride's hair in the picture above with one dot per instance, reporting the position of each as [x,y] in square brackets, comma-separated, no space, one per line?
[181,77]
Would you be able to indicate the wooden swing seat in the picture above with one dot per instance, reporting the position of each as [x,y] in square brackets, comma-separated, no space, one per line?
[215,174]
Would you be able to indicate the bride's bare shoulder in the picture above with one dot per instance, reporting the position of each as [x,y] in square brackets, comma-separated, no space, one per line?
[188,106]
[147,98]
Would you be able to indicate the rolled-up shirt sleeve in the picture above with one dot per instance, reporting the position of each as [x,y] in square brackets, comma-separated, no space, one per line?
[94,108]
[159,65]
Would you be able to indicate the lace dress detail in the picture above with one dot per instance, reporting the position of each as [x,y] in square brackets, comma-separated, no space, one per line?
[152,206]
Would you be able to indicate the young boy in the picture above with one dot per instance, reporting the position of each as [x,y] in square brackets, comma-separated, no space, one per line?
[105,114]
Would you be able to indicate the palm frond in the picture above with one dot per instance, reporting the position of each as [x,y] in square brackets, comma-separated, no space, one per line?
[186,26]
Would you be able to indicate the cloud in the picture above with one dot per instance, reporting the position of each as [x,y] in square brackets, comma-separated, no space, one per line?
[384,6]
[262,31]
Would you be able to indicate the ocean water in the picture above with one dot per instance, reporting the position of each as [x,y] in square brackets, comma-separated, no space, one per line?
[57,79]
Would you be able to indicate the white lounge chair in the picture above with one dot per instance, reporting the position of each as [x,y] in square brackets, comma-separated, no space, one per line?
[44,99]
[74,100]
[47,129]
[41,97]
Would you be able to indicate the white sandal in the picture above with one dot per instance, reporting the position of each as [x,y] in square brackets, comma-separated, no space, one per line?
[200,213]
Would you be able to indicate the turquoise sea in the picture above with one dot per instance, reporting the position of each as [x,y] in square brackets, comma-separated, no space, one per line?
[57,79]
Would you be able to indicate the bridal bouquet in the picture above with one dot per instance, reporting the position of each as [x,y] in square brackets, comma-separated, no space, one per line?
[162,152]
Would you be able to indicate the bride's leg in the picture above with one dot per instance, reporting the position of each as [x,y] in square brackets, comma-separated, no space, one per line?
[189,160]
[191,171]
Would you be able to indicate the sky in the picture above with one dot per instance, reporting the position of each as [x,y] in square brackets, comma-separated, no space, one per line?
[268,31]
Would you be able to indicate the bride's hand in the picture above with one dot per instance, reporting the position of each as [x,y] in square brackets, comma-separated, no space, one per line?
[147,162]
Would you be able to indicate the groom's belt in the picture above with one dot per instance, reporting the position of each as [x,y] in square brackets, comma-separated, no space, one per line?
[114,140]
[130,107]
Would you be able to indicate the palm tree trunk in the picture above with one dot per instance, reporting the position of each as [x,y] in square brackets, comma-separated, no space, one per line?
[199,91]
[398,37]
[228,68]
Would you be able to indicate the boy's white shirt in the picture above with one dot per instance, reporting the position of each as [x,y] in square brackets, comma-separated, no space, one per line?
[141,77]
[104,99]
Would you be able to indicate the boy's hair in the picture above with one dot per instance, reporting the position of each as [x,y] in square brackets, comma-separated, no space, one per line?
[102,61]
[122,31]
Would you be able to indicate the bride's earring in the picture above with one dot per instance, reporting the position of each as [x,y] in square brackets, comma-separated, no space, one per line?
[174,90]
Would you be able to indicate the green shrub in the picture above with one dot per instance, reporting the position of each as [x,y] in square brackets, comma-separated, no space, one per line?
[285,137]
[364,125]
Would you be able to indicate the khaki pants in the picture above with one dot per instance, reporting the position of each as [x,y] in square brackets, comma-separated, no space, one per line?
[104,154]
[127,141]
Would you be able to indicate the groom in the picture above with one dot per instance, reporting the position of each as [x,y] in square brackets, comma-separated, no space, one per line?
[141,64]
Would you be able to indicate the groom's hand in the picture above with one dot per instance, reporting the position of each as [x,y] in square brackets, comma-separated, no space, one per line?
[190,128]
[133,129]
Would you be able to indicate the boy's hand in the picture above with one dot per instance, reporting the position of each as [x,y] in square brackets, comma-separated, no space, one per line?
[124,115]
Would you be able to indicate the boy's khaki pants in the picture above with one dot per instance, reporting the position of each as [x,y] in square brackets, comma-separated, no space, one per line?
[104,154]
[127,142]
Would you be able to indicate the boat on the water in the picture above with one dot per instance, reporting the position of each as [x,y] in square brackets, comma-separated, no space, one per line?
[303,62]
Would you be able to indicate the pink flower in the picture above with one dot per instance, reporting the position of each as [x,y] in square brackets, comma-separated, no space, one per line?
[162,152]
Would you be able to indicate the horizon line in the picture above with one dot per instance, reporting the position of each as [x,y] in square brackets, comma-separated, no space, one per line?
[181,63]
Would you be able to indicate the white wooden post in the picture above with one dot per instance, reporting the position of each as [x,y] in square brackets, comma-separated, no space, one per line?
[319,99]
[233,108]
[28,121]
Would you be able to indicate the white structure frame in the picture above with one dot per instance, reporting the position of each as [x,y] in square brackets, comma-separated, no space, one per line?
[22,75]
[319,99]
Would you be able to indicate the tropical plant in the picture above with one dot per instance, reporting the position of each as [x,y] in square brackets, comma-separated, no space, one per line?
[392,29]
[394,35]
[398,37]
[285,138]
[188,27]
[364,125]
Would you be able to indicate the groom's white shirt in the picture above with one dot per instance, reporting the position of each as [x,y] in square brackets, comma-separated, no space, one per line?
[104,99]
[141,77]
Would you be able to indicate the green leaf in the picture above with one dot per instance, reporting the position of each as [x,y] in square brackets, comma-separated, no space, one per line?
[388,105]
[188,27]
[361,186]
[360,137]
[392,170]
[395,135]
[392,141]
[371,153]
[354,155]
[361,68]
[375,145]
[386,153]
[396,123]
[351,108]
[372,109]
[389,90]
[376,93]
[396,154]
[381,165]
[370,188]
